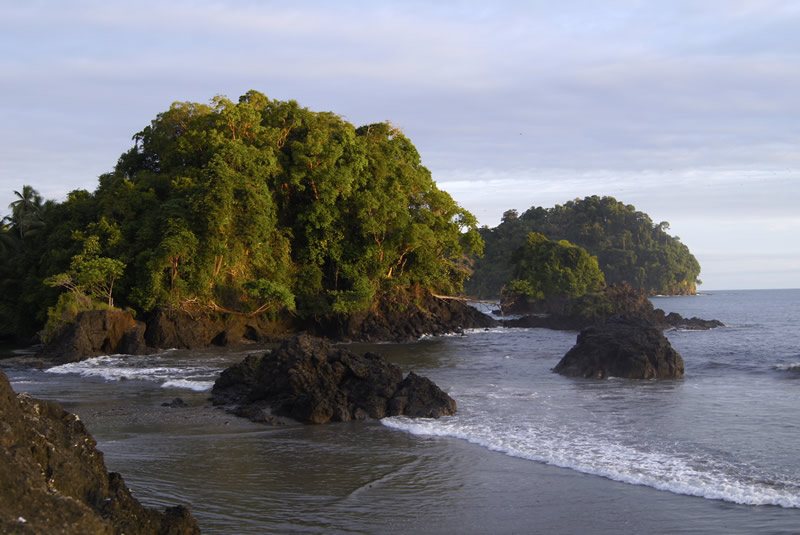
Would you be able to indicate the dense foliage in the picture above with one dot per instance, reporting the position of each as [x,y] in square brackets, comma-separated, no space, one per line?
[629,247]
[249,207]
[546,269]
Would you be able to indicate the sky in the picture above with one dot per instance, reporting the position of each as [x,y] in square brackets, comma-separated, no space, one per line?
[689,110]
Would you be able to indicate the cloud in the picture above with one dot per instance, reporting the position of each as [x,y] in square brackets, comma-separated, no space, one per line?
[686,109]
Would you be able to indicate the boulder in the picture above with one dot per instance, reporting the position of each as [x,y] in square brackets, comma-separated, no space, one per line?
[309,380]
[53,478]
[623,346]
[96,332]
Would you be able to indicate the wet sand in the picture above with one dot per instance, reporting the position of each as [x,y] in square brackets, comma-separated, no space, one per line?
[365,478]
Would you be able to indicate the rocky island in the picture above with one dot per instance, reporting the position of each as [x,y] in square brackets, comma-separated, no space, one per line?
[625,347]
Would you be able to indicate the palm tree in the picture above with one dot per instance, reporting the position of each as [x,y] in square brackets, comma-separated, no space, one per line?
[26,212]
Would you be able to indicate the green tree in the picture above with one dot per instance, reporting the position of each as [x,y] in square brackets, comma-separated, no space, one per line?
[546,269]
[90,275]
[249,206]
[629,247]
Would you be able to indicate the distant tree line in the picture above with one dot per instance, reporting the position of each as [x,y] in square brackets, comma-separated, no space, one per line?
[629,247]
[249,207]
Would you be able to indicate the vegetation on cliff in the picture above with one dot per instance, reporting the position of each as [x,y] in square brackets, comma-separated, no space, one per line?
[629,247]
[256,206]
[546,270]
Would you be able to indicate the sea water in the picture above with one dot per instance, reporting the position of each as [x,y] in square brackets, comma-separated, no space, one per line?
[528,451]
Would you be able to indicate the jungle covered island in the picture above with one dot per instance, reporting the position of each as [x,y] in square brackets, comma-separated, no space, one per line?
[253,208]
[629,247]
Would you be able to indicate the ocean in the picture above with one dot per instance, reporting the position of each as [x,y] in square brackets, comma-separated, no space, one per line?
[528,452]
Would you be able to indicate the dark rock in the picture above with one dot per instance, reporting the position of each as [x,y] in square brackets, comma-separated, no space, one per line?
[596,308]
[309,380]
[95,332]
[675,320]
[419,397]
[133,342]
[622,347]
[403,316]
[176,403]
[53,478]
[178,329]
[168,329]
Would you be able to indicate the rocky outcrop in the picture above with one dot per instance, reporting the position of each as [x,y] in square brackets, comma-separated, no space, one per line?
[53,478]
[676,321]
[104,332]
[178,329]
[97,332]
[309,380]
[597,308]
[403,316]
[622,347]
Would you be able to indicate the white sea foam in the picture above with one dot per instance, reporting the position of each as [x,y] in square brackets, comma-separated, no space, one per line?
[669,471]
[197,386]
[792,366]
[151,368]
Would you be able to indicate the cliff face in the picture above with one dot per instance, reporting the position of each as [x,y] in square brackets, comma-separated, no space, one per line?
[53,478]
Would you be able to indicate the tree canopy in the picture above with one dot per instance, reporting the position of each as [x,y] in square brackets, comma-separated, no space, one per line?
[629,247]
[546,269]
[249,207]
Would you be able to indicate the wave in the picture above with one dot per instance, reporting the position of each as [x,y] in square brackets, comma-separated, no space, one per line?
[152,368]
[197,386]
[789,367]
[693,475]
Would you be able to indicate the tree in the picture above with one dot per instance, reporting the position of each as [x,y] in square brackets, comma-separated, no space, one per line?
[90,275]
[629,247]
[546,269]
[248,206]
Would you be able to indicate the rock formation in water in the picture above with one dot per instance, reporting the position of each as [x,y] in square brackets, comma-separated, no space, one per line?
[309,380]
[96,332]
[596,308]
[53,478]
[622,347]
[403,317]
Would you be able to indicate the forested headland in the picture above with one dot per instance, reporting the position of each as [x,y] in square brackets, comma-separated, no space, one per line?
[265,208]
[628,246]
[252,207]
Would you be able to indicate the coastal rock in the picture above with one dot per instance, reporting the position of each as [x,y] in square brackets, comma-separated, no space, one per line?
[596,308]
[179,329]
[53,478]
[419,397]
[675,320]
[402,317]
[96,332]
[309,380]
[622,347]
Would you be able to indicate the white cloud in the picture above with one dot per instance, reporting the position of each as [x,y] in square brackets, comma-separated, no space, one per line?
[686,109]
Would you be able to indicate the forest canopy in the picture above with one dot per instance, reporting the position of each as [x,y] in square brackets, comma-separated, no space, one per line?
[255,206]
[629,247]
[546,269]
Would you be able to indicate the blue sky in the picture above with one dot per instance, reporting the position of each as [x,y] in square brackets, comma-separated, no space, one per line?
[688,110]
